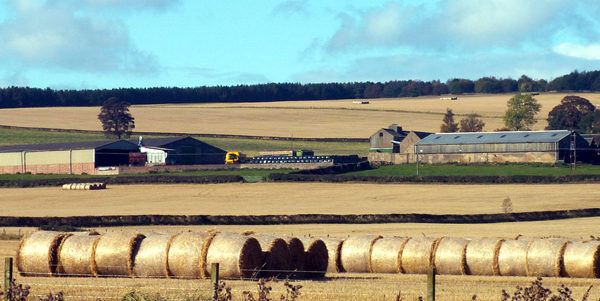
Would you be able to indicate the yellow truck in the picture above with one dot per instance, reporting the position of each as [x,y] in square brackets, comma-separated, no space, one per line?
[234,157]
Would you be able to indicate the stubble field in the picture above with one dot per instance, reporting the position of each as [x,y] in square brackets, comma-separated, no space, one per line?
[293,198]
[314,119]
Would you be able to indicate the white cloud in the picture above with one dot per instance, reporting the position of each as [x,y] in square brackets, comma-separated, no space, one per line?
[56,36]
[454,24]
[588,52]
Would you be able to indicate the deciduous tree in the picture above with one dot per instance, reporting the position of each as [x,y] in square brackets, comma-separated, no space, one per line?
[116,119]
[568,114]
[520,114]
[449,126]
[472,123]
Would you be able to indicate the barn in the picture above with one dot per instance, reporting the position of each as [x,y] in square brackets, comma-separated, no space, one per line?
[184,150]
[64,158]
[517,146]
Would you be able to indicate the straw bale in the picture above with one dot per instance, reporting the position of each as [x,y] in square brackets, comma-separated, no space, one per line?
[512,258]
[450,256]
[334,250]
[582,259]
[356,253]
[482,256]
[115,253]
[37,253]
[417,255]
[297,255]
[238,256]
[545,257]
[317,258]
[76,254]
[276,256]
[185,258]
[151,259]
[66,186]
[385,256]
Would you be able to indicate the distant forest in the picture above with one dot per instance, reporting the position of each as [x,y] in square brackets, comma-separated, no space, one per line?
[17,97]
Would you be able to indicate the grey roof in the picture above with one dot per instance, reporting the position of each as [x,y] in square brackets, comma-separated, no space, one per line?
[493,137]
[59,146]
[158,142]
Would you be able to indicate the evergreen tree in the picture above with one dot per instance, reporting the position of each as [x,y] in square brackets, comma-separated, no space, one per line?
[449,126]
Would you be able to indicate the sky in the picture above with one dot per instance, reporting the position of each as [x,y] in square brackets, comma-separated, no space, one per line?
[98,44]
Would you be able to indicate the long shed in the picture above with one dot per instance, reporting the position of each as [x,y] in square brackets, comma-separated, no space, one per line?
[64,158]
[513,146]
[185,150]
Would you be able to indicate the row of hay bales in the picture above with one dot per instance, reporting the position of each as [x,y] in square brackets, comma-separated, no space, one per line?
[173,255]
[84,186]
[461,256]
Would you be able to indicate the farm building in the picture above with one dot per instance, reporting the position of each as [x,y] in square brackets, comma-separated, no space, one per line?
[394,140]
[181,151]
[65,158]
[95,157]
[520,146]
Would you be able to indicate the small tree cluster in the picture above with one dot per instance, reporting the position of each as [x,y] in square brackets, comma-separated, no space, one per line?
[471,123]
[574,113]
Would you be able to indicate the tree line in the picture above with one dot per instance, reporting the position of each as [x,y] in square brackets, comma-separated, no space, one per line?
[16,97]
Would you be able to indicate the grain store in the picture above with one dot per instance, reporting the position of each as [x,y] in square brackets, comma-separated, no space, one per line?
[518,146]
[65,158]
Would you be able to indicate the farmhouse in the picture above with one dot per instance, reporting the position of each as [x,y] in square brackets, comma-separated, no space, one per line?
[100,157]
[65,158]
[518,146]
[395,140]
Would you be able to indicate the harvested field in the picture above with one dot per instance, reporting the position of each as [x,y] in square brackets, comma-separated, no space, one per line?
[285,119]
[300,198]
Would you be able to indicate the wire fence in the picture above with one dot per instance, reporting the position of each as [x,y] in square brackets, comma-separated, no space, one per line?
[334,286]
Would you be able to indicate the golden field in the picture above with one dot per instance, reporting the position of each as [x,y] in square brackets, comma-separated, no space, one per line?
[329,119]
[296,198]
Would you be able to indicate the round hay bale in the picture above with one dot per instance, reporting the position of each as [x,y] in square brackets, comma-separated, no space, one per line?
[37,254]
[450,256]
[512,258]
[356,253]
[417,255]
[115,253]
[334,250]
[76,255]
[151,260]
[317,258]
[66,186]
[87,186]
[582,259]
[482,256]
[297,256]
[385,256]
[239,256]
[187,254]
[276,256]
[545,257]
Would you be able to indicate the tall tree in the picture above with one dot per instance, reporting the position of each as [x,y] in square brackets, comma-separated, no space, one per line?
[590,123]
[448,125]
[472,123]
[116,119]
[568,114]
[520,114]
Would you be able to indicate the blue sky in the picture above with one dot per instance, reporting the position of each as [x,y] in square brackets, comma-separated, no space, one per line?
[89,44]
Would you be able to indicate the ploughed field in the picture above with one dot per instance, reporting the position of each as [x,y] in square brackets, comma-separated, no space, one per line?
[296,198]
[322,119]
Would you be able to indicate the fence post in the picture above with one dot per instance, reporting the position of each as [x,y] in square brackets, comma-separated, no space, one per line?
[8,275]
[214,279]
[431,284]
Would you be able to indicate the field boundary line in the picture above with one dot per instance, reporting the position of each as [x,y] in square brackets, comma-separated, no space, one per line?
[143,220]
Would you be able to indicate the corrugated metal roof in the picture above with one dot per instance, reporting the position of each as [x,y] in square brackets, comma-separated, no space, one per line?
[58,146]
[494,137]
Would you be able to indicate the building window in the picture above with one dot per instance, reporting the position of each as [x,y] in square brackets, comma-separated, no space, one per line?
[380,134]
